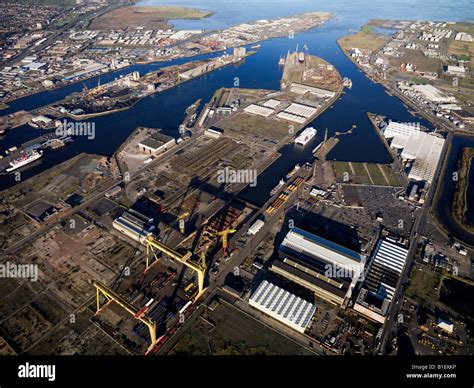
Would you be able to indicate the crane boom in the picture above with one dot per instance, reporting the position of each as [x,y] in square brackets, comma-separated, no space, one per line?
[111,295]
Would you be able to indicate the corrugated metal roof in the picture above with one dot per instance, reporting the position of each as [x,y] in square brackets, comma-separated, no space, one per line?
[283,305]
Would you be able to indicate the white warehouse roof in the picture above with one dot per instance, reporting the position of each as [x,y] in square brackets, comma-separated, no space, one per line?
[255,228]
[433,94]
[271,103]
[423,147]
[283,306]
[301,110]
[390,255]
[259,110]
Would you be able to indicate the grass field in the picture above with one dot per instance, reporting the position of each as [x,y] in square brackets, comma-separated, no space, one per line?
[363,40]
[365,174]
[462,49]
[424,285]
[148,17]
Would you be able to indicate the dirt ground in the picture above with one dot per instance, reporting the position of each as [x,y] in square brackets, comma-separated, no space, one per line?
[148,17]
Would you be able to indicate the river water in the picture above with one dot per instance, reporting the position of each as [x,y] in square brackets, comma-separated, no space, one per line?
[166,110]
[446,192]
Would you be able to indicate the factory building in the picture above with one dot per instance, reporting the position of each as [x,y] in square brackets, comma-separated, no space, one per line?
[271,103]
[422,147]
[132,227]
[318,92]
[326,268]
[386,264]
[255,228]
[283,306]
[156,144]
[433,94]
[291,117]
[301,110]
[215,133]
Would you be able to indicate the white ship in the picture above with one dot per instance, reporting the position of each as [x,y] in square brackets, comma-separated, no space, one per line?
[277,187]
[304,137]
[24,159]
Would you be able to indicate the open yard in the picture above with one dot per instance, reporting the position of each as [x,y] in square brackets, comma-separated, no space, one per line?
[229,331]
[149,17]
[363,40]
[365,174]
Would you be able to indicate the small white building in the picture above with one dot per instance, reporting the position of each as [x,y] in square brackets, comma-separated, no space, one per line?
[446,326]
[255,228]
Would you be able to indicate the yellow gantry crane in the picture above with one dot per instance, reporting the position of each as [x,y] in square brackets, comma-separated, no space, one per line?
[153,247]
[139,314]
[224,234]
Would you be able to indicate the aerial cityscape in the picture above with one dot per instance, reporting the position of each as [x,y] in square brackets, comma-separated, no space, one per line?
[246,179]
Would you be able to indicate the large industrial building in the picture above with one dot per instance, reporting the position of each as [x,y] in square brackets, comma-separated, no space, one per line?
[156,144]
[433,94]
[421,147]
[283,306]
[318,92]
[386,264]
[259,110]
[134,225]
[326,268]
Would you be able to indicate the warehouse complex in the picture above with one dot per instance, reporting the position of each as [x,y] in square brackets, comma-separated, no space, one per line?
[385,267]
[424,149]
[328,269]
[283,306]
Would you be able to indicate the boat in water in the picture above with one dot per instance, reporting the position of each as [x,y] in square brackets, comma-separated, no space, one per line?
[304,137]
[256,46]
[293,172]
[277,187]
[26,157]
[347,83]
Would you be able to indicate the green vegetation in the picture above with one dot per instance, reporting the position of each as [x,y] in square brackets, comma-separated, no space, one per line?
[465,27]
[363,40]
[420,80]
[463,57]
[367,28]
[167,13]
[424,285]
[459,204]
[366,174]
[147,17]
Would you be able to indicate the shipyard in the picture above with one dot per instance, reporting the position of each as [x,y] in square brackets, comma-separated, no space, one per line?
[236,180]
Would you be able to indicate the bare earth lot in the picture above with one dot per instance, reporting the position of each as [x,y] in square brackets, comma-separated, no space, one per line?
[148,17]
